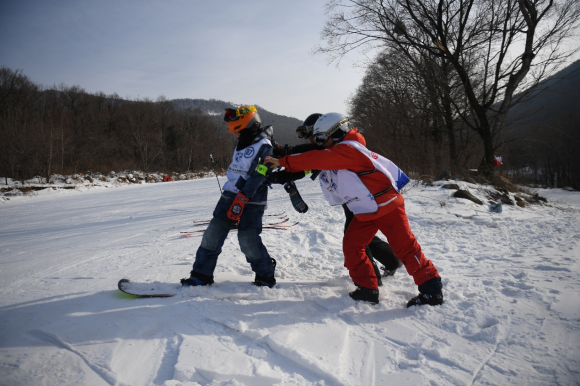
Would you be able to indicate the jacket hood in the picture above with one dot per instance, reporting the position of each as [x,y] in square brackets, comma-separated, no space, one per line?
[354,135]
[266,132]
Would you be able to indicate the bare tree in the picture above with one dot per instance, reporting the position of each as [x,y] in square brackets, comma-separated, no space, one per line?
[419,94]
[490,44]
[18,96]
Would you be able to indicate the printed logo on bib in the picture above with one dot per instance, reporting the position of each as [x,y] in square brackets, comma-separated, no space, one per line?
[238,156]
[351,199]
[249,152]
[324,178]
[374,155]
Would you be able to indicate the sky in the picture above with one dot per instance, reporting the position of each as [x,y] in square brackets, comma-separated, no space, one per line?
[252,52]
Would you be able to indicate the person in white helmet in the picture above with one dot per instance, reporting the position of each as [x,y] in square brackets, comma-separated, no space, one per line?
[377,249]
[369,184]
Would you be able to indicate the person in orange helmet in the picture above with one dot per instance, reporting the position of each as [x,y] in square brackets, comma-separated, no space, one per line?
[242,202]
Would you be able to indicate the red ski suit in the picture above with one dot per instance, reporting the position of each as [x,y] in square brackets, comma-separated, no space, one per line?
[390,219]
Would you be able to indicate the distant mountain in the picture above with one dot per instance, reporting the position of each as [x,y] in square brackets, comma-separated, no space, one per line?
[284,127]
[557,96]
[542,143]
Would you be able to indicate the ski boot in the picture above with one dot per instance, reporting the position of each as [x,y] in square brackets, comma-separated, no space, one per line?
[366,295]
[430,299]
[429,293]
[391,272]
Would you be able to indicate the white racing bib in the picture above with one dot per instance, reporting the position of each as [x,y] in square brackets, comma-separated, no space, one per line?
[386,166]
[345,187]
[241,164]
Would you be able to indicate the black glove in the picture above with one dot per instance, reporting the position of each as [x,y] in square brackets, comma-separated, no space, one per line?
[280,177]
[297,201]
[280,151]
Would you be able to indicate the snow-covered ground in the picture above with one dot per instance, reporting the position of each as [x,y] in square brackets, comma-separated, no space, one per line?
[511,286]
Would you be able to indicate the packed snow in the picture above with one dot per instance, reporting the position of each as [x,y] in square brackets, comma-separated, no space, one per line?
[511,313]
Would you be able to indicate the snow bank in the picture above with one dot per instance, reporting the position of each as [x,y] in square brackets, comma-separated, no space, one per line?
[81,182]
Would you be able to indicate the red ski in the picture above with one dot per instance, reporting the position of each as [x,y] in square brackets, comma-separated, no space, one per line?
[199,232]
[278,215]
[273,223]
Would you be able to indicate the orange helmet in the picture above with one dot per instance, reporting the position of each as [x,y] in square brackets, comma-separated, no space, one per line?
[242,118]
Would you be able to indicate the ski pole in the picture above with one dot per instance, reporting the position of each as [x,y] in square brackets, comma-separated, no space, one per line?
[214,172]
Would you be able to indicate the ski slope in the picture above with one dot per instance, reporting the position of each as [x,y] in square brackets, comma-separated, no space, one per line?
[511,286]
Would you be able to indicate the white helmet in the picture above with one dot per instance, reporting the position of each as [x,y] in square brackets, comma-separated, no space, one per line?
[333,125]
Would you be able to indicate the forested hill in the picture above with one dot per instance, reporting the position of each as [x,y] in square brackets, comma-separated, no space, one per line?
[284,127]
[557,96]
[66,130]
[544,134]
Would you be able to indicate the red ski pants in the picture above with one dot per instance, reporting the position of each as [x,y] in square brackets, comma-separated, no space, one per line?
[395,226]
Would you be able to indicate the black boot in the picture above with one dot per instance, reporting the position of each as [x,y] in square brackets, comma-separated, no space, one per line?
[429,293]
[265,281]
[430,299]
[197,279]
[366,295]
[391,272]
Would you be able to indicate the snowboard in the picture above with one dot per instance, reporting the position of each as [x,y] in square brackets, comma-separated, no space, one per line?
[148,290]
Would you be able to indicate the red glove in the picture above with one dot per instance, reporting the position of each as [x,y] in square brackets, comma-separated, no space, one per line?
[237,207]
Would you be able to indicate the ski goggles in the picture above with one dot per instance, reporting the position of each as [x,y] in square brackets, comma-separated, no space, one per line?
[304,131]
[320,138]
[233,114]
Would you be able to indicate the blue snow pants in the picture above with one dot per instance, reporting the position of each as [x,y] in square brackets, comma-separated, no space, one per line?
[249,230]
